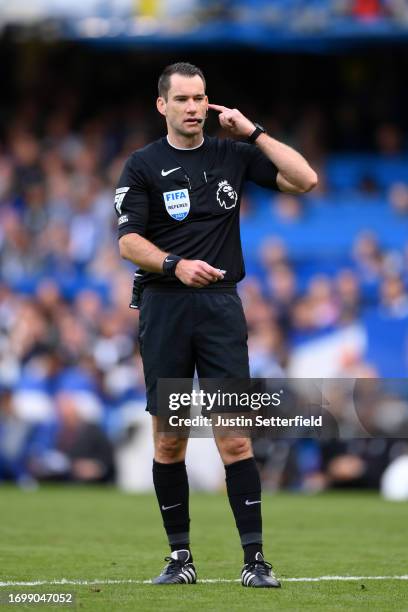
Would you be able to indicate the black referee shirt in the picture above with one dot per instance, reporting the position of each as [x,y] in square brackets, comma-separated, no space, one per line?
[187,201]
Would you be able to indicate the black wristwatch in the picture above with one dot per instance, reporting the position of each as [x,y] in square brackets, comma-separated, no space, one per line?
[257,131]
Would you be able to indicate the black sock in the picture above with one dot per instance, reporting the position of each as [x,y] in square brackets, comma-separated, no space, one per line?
[171,486]
[250,552]
[244,493]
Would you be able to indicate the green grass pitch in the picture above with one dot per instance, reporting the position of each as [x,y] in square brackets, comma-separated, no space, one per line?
[89,534]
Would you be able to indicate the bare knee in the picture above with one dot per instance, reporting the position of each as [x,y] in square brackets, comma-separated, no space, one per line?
[169,449]
[234,449]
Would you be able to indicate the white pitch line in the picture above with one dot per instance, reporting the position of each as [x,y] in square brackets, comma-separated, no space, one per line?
[62,581]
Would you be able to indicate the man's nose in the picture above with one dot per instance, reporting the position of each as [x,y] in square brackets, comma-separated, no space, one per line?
[191,106]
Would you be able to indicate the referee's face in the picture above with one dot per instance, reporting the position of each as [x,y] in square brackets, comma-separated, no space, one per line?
[185,108]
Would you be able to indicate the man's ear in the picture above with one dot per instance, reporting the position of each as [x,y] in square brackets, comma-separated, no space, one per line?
[161,105]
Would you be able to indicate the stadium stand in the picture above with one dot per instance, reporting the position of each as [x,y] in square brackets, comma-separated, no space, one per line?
[327,273]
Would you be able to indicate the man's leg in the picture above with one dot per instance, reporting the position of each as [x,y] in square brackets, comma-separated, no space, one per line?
[220,340]
[166,349]
[244,491]
[171,486]
[222,353]
[244,494]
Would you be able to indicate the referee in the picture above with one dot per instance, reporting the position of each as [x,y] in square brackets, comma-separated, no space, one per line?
[177,203]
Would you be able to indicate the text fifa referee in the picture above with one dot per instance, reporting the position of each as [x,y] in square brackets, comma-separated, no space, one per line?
[177,203]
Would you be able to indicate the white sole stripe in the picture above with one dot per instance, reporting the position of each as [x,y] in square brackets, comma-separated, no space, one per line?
[188,573]
[244,573]
[67,581]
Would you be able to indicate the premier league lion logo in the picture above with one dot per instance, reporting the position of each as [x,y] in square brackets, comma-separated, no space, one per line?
[226,195]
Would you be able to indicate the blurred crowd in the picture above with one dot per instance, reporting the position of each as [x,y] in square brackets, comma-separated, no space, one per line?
[71,377]
[310,15]
[359,9]
[281,316]
[112,18]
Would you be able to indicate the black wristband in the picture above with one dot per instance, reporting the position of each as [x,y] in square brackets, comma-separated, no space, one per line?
[169,264]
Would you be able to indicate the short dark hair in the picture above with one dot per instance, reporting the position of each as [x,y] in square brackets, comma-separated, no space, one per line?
[183,68]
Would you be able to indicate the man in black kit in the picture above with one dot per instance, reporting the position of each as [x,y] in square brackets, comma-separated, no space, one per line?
[178,203]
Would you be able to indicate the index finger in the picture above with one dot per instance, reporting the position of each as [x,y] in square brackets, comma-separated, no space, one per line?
[217,107]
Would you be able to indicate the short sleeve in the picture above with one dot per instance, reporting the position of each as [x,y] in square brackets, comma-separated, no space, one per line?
[259,168]
[132,199]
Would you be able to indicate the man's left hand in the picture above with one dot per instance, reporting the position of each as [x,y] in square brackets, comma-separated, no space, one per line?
[232,120]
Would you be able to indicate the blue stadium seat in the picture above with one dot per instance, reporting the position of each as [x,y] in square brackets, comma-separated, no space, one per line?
[390,357]
[346,172]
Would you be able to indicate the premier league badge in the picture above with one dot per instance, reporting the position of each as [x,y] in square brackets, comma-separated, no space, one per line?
[226,195]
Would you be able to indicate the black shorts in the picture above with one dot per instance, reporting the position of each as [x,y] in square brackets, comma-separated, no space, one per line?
[182,330]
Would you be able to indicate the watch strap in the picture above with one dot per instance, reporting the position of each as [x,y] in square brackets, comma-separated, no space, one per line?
[257,132]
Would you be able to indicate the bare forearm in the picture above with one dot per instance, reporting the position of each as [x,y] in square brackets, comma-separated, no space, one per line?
[292,166]
[142,252]
[295,175]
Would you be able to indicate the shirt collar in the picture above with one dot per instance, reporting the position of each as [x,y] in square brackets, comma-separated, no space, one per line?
[185,148]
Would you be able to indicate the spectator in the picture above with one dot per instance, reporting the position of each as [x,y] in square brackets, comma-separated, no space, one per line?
[394,297]
[367,9]
[15,438]
[77,450]
[347,291]
[398,197]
